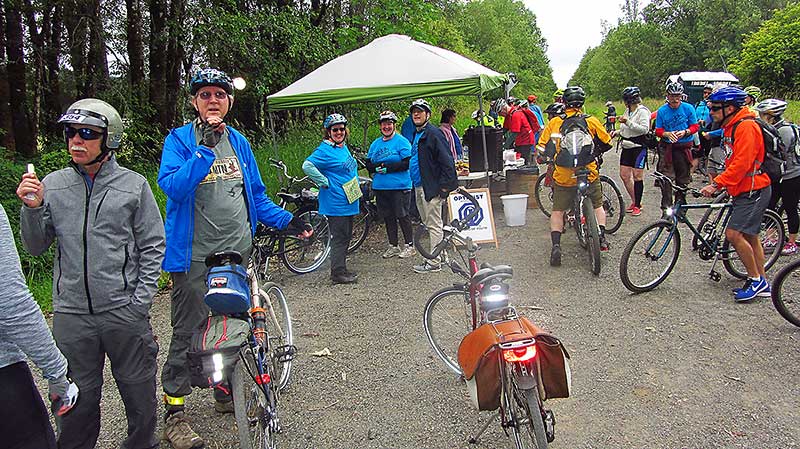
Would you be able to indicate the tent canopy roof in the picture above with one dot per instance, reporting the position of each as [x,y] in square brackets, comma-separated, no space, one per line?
[391,67]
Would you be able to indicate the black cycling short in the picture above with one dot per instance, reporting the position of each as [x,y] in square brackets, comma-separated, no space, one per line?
[395,203]
[633,157]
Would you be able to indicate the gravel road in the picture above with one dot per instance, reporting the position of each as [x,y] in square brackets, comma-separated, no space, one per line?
[680,367]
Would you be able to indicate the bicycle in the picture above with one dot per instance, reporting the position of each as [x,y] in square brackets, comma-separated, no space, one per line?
[300,255]
[660,241]
[786,292]
[264,363]
[454,312]
[584,221]
[613,203]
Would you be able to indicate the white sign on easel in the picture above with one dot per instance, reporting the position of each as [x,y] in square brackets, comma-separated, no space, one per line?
[481,228]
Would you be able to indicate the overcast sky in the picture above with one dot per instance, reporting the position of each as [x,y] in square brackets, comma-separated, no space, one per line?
[570,27]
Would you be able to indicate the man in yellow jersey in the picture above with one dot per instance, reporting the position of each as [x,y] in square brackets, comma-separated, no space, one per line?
[573,140]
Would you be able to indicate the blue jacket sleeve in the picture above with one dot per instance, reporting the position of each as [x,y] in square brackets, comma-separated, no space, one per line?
[267,212]
[459,149]
[182,168]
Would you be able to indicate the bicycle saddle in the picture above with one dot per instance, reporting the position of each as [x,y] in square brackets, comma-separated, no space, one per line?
[500,271]
[223,258]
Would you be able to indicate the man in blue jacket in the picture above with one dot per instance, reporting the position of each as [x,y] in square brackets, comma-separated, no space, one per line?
[215,197]
[433,175]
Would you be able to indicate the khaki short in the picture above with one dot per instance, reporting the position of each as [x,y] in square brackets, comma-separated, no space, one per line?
[563,197]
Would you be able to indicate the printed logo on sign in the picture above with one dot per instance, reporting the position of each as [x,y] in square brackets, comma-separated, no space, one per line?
[218,282]
[467,209]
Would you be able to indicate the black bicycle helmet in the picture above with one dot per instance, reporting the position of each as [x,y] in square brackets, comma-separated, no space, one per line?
[631,94]
[574,96]
[555,109]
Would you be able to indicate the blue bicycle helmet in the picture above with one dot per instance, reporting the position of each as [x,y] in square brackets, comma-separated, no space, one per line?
[210,77]
[728,95]
[334,119]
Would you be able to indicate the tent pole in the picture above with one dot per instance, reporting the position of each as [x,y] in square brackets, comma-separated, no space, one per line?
[483,140]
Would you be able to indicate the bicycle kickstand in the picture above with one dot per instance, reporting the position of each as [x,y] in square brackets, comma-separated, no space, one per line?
[714,274]
[474,439]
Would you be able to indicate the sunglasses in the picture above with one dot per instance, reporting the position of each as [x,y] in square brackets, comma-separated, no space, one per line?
[85,133]
[337,130]
[716,108]
[219,95]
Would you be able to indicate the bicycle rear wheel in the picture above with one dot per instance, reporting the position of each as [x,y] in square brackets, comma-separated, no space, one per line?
[447,319]
[786,292]
[772,237]
[279,332]
[592,233]
[527,422]
[650,256]
[544,195]
[306,255]
[613,204]
[253,405]
[361,225]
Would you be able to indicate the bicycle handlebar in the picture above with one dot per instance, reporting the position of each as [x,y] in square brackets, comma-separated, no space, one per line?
[662,177]
[457,225]
[280,165]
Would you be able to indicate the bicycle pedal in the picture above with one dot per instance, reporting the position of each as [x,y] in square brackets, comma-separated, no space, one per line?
[716,277]
[284,353]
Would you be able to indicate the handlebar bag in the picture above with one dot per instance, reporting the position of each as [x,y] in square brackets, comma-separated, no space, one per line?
[219,334]
[228,290]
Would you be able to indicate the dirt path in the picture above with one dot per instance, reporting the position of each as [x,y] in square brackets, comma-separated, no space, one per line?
[679,367]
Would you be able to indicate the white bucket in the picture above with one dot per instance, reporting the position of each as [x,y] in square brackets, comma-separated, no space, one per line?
[514,207]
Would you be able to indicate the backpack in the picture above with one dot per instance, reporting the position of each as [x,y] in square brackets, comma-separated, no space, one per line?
[774,151]
[533,122]
[577,144]
[792,148]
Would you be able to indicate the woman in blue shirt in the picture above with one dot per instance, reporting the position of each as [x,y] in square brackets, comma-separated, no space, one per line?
[388,159]
[335,171]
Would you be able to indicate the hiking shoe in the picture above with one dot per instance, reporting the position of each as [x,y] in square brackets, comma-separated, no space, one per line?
[752,290]
[555,256]
[179,433]
[407,251]
[604,246]
[343,278]
[789,248]
[636,211]
[223,406]
[391,251]
[427,267]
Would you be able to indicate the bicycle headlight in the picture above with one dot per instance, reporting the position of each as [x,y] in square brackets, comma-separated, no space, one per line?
[669,211]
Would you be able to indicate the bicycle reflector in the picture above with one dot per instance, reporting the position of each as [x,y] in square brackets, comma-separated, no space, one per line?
[520,353]
[216,377]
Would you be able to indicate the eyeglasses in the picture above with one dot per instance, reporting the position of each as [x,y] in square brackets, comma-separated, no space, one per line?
[337,130]
[85,133]
[219,95]
[716,108]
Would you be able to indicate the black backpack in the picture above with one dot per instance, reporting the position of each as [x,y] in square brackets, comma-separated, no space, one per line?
[774,150]
[576,148]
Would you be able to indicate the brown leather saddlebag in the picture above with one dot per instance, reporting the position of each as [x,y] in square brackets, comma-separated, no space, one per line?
[478,356]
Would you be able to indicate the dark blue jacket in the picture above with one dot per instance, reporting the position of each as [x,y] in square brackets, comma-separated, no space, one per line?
[436,166]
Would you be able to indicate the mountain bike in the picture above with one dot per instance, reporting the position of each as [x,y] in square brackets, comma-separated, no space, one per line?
[613,202]
[453,312]
[653,251]
[786,292]
[264,363]
[300,255]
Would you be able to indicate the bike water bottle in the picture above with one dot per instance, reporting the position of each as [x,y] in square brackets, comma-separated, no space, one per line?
[30,195]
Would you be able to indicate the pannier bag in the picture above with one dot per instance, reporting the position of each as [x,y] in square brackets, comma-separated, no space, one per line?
[220,335]
[478,355]
[228,290]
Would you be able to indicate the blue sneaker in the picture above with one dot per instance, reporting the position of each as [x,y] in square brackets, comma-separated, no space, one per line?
[767,292]
[751,291]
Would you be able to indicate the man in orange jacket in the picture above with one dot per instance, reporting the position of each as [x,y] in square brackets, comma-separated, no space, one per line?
[746,183]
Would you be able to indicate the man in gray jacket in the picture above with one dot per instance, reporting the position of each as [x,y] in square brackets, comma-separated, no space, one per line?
[107,264]
[24,423]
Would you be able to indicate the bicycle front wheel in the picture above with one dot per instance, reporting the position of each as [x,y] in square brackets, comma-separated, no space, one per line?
[592,233]
[786,292]
[772,237]
[613,204]
[544,195]
[279,332]
[650,256]
[447,319]
[361,225]
[303,256]
[526,415]
[253,405]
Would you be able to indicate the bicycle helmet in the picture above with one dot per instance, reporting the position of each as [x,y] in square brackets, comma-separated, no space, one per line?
[334,119]
[728,95]
[631,94]
[531,98]
[94,112]
[420,104]
[210,77]
[674,88]
[574,96]
[772,106]
[753,91]
[708,86]
[555,109]
[499,105]
[558,93]
[388,115]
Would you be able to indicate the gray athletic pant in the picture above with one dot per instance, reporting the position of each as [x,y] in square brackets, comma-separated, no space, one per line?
[341,233]
[188,312]
[125,336]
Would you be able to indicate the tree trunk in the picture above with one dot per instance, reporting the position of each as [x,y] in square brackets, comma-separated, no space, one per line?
[76,24]
[97,60]
[158,53]
[175,53]
[37,58]
[18,93]
[135,48]
[52,96]
[6,130]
